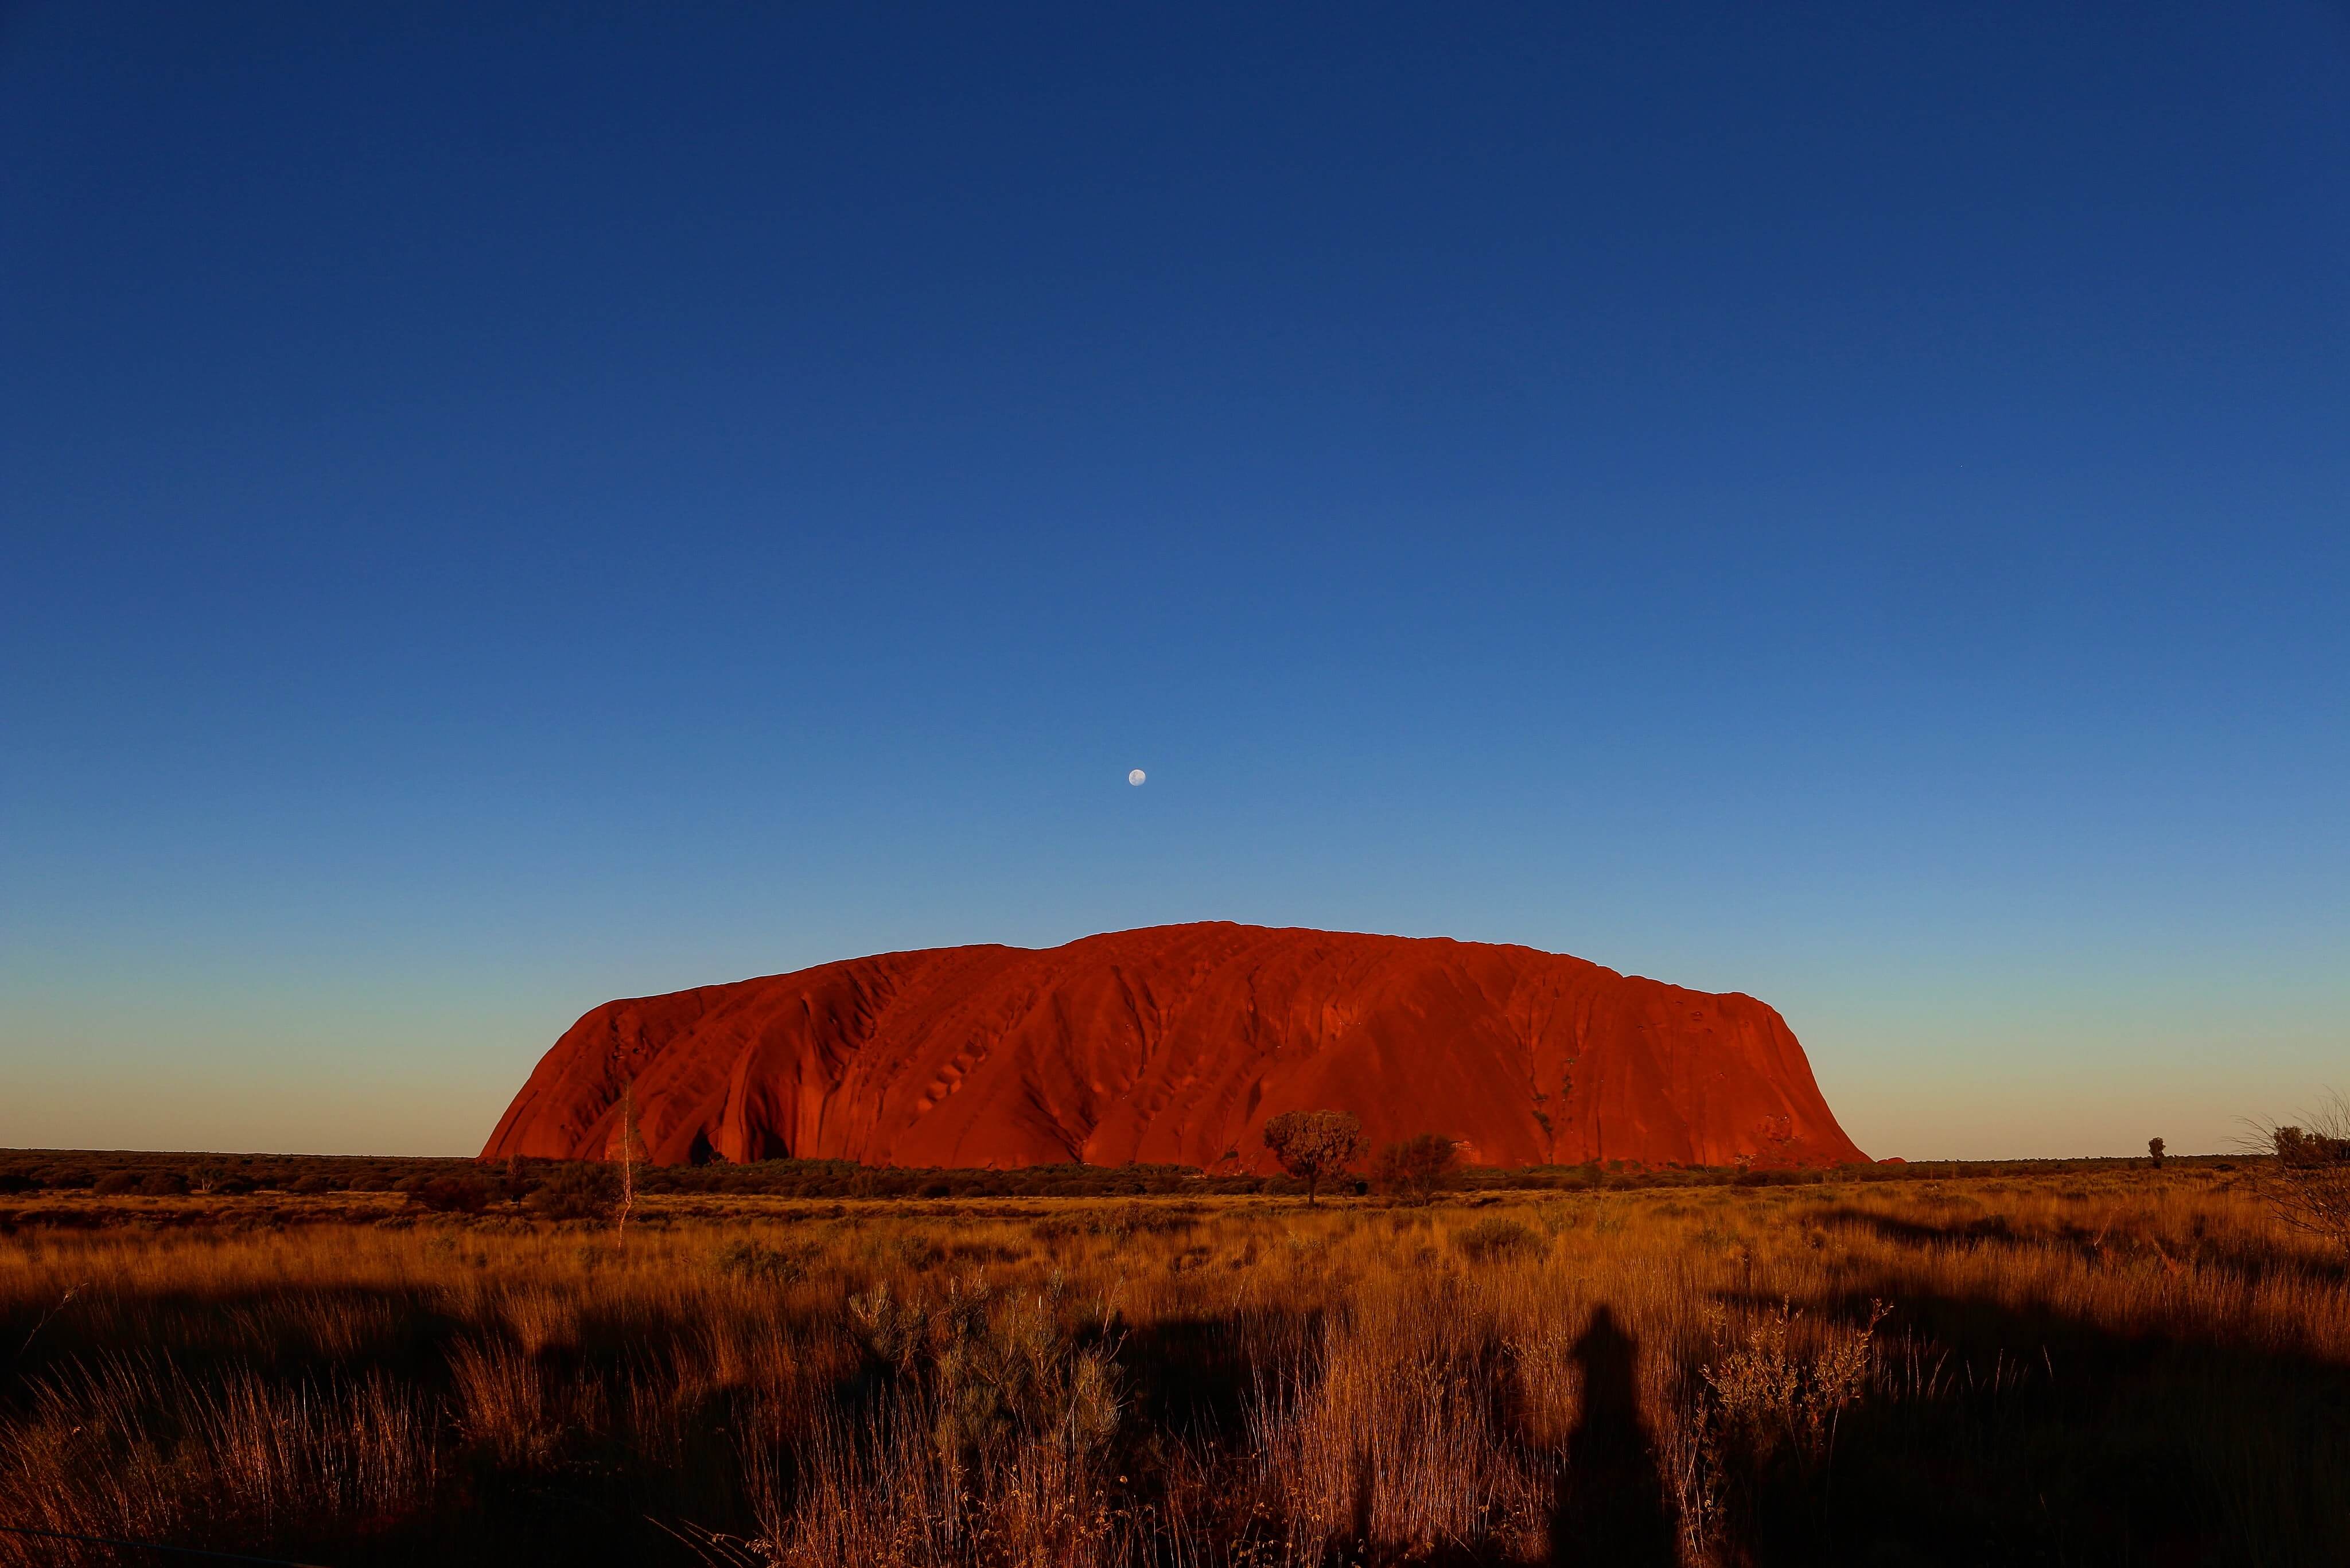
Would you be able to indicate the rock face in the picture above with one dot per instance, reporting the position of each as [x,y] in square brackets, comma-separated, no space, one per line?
[1174,1045]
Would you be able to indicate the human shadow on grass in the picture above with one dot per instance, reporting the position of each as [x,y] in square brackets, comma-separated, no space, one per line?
[1611,1507]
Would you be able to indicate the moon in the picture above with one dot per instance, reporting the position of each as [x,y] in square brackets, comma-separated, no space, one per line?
[1135,778]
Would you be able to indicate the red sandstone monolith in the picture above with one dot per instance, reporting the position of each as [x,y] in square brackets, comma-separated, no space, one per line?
[1175,1044]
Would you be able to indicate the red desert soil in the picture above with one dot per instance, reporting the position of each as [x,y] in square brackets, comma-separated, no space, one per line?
[1174,1044]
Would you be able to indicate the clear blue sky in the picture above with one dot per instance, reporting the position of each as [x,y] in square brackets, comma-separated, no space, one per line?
[505,507]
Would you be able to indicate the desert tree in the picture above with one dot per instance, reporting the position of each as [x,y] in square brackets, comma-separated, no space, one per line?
[1417,1166]
[1314,1145]
[2154,1146]
[2306,1172]
[513,1182]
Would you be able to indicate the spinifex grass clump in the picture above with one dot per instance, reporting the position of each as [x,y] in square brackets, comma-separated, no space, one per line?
[2307,1175]
[981,1437]
[141,1446]
[2091,1367]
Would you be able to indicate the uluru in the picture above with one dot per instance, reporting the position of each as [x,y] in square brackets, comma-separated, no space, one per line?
[1174,1044]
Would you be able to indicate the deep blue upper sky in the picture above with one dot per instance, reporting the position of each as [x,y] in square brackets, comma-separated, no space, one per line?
[508,506]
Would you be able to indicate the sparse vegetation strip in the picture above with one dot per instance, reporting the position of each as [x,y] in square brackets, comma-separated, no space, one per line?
[1993,1368]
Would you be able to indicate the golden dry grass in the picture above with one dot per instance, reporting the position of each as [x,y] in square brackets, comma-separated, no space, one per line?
[2126,1367]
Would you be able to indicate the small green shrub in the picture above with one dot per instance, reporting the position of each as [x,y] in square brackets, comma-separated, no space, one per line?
[1496,1240]
[578,1191]
[450,1195]
[1144,1219]
[1417,1169]
[915,1253]
[756,1264]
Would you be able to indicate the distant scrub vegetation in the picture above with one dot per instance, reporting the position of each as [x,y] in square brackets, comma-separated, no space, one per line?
[1414,1166]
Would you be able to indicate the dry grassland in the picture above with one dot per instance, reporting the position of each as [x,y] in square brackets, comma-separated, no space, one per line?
[2133,1367]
